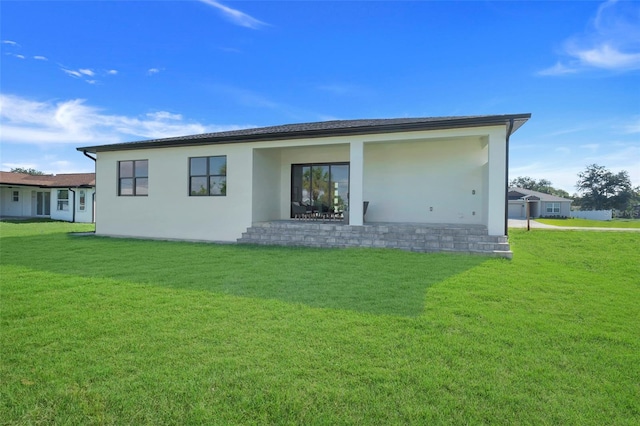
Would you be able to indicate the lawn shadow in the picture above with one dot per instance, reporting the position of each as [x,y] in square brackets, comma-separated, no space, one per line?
[377,281]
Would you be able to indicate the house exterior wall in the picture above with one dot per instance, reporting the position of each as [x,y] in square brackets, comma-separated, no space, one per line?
[168,211]
[56,214]
[433,181]
[565,209]
[9,207]
[267,185]
[496,181]
[402,175]
[517,209]
[27,202]
[84,216]
[331,153]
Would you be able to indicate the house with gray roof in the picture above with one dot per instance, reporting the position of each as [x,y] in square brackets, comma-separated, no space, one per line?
[69,197]
[422,184]
[540,204]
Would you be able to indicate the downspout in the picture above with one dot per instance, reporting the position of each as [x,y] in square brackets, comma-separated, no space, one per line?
[93,196]
[506,181]
[73,206]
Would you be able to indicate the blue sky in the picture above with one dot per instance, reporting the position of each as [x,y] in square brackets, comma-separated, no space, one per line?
[77,73]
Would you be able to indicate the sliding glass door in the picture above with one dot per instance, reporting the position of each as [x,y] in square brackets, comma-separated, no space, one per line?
[319,189]
[43,203]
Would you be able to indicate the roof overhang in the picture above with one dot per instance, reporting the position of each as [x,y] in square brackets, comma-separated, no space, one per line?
[321,129]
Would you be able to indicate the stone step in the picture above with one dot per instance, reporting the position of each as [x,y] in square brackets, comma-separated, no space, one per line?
[411,237]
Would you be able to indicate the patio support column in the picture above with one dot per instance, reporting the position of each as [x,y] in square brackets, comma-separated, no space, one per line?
[356,182]
[497,185]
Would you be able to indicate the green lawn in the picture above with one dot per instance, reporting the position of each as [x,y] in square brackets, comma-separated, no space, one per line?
[116,331]
[614,223]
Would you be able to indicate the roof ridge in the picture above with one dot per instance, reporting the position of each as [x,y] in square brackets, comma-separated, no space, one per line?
[321,129]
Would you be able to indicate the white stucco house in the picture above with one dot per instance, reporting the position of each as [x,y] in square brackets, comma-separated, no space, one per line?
[309,184]
[540,204]
[69,197]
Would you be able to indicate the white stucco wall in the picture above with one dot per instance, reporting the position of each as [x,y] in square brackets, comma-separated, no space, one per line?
[403,175]
[26,206]
[434,181]
[267,185]
[168,211]
[9,207]
[84,216]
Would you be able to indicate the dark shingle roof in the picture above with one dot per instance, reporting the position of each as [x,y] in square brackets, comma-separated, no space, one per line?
[321,129]
[513,192]
[67,180]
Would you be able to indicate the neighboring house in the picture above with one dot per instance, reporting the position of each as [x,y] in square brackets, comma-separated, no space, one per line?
[68,197]
[448,171]
[540,204]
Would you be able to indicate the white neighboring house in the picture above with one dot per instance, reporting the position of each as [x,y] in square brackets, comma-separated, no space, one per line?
[540,204]
[215,186]
[69,197]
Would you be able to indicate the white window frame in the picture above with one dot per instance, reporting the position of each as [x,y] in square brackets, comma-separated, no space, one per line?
[82,200]
[553,208]
[62,204]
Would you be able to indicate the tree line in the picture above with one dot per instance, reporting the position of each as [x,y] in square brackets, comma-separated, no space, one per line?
[597,189]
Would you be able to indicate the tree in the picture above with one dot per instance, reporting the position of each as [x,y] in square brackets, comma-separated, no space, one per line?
[542,185]
[601,189]
[29,171]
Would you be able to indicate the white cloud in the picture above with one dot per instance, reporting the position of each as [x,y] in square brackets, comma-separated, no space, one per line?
[611,42]
[82,73]
[72,73]
[10,42]
[40,58]
[15,55]
[236,16]
[152,71]
[608,57]
[558,69]
[112,72]
[164,115]
[72,121]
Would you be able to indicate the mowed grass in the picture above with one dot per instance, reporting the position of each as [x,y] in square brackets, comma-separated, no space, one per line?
[116,331]
[586,223]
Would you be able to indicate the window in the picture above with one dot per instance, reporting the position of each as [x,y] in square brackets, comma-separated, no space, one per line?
[133,177]
[320,189]
[63,199]
[553,207]
[83,198]
[16,196]
[208,175]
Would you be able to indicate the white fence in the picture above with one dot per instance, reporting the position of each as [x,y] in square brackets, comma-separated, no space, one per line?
[592,214]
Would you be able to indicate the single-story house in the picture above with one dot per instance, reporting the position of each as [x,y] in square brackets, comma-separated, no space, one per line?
[540,204]
[311,184]
[69,197]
